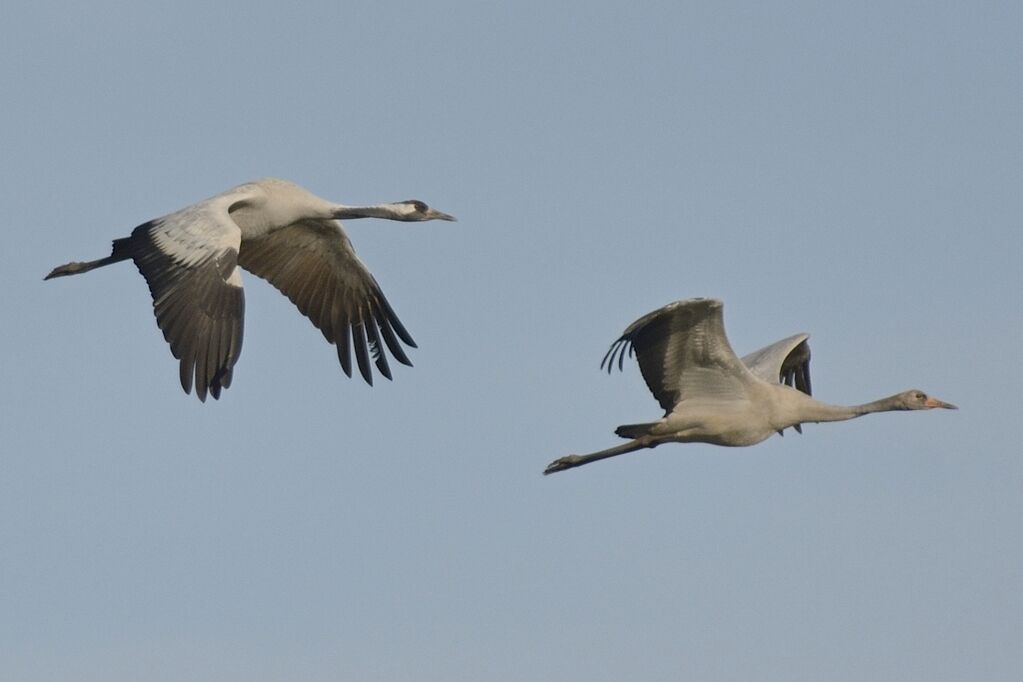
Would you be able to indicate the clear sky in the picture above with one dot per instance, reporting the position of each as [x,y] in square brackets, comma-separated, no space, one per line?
[852,170]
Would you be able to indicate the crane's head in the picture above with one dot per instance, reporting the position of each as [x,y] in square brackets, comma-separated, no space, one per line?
[915,399]
[414,210]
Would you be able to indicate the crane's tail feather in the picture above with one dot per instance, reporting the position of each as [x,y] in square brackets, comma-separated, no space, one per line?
[634,430]
[122,251]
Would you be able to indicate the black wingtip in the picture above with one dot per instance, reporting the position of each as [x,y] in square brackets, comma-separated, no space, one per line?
[377,350]
[344,351]
[362,352]
[396,324]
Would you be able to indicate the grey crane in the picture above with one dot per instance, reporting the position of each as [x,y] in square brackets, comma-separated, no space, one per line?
[710,395]
[280,232]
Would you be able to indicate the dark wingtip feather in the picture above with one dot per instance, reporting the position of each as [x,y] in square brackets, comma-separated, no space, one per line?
[185,372]
[392,343]
[200,387]
[392,317]
[377,349]
[344,350]
[389,337]
[617,351]
[221,380]
[606,356]
[361,352]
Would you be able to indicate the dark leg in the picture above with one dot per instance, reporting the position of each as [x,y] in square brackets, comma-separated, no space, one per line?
[572,461]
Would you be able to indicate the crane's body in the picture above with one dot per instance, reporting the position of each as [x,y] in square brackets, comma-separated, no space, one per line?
[710,395]
[282,233]
[746,421]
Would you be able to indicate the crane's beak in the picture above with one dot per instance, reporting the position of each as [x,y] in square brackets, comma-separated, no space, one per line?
[934,402]
[434,214]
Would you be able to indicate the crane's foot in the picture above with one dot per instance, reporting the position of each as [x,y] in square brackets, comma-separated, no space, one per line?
[562,463]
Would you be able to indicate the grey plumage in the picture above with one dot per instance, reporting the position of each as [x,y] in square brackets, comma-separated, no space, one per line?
[282,233]
[710,395]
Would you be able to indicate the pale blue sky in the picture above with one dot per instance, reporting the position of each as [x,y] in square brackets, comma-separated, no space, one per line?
[853,171]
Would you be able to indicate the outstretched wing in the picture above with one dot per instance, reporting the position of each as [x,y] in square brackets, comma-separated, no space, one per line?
[189,259]
[312,262]
[786,362]
[683,352]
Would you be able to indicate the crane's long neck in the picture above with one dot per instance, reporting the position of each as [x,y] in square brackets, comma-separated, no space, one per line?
[388,211]
[815,411]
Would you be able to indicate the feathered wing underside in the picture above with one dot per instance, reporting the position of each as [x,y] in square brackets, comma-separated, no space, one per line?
[189,260]
[312,262]
[786,362]
[683,352]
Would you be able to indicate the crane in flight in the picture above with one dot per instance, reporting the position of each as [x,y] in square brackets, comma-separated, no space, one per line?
[710,395]
[277,231]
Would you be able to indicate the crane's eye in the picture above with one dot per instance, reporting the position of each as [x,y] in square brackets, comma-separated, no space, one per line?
[920,396]
[420,206]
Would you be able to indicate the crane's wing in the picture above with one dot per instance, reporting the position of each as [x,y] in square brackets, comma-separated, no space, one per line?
[683,353]
[189,259]
[312,262]
[786,362]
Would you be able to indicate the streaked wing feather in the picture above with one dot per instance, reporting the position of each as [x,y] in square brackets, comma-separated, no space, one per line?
[189,260]
[391,340]
[392,318]
[344,350]
[312,262]
[682,352]
[377,350]
[361,352]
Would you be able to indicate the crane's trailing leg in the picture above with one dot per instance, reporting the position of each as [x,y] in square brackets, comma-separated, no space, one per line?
[122,251]
[571,461]
[78,268]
